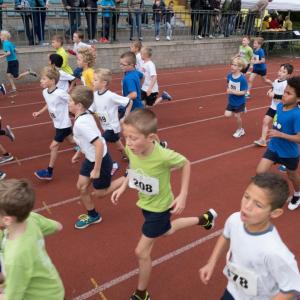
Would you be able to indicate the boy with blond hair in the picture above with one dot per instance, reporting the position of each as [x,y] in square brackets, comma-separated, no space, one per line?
[28,271]
[149,173]
[259,266]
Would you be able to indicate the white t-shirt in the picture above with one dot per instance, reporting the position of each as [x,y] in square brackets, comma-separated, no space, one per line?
[64,79]
[278,89]
[57,102]
[85,132]
[105,105]
[258,259]
[148,71]
[80,45]
[139,62]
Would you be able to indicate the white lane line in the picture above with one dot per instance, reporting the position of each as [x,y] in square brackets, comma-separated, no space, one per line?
[204,159]
[156,262]
[21,105]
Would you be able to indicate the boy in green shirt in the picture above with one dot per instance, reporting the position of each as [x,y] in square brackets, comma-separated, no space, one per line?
[28,271]
[149,173]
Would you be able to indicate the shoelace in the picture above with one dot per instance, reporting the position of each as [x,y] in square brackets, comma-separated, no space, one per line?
[83,218]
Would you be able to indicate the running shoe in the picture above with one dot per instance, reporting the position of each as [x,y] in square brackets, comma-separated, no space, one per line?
[164,144]
[294,203]
[261,143]
[282,168]
[166,96]
[6,158]
[2,89]
[136,297]
[9,133]
[43,174]
[32,73]
[239,132]
[86,220]
[115,168]
[2,175]
[247,95]
[207,220]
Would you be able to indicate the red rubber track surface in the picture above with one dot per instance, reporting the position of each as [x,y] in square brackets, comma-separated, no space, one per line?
[193,124]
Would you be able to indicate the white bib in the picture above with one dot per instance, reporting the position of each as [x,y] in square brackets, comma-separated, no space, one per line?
[244,279]
[256,58]
[144,184]
[235,86]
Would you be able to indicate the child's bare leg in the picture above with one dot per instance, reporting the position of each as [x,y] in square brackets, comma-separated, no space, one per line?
[228,113]
[22,75]
[294,178]
[182,223]
[115,184]
[71,139]
[267,80]
[82,186]
[250,81]
[2,149]
[238,120]
[264,165]
[157,101]
[53,153]
[11,81]
[265,127]
[143,253]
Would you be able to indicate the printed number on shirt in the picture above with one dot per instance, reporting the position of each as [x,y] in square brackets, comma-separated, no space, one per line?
[144,184]
[104,117]
[235,86]
[244,279]
[52,115]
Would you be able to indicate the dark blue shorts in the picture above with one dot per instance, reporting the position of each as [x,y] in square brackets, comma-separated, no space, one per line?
[13,68]
[291,163]
[271,112]
[236,109]
[227,296]
[156,224]
[61,134]
[245,70]
[104,180]
[150,100]
[260,72]
[110,136]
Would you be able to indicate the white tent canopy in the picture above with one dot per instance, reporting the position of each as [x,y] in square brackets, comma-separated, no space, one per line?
[293,5]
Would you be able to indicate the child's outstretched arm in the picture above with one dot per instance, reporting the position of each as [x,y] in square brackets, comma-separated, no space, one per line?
[290,137]
[206,271]
[285,296]
[117,193]
[37,113]
[179,202]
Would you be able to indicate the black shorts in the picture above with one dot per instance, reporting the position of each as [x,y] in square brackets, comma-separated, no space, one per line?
[110,136]
[291,163]
[104,180]
[236,109]
[62,133]
[13,68]
[227,296]
[245,70]
[260,72]
[156,224]
[149,99]
[271,112]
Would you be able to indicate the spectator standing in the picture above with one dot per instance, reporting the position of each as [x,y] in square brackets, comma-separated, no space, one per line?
[159,10]
[215,6]
[288,25]
[115,18]
[91,13]
[135,17]
[39,20]
[200,20]
[73,9]
[230,11]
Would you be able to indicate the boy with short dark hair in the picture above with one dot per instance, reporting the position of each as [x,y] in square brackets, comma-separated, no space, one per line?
[149,173]
[97,166]
[28,270]
[285,137]
[259,265]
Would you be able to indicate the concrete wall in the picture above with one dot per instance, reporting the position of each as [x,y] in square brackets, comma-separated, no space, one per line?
[165,55]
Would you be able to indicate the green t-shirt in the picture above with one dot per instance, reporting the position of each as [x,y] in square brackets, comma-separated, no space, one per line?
[246,53]
[157,166]
[28,270]
[65,67]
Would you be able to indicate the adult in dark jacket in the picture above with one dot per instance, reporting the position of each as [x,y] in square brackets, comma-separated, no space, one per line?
[39,20]
[73,9]
[199,17]
[91,14]
[230,11]
[159,10]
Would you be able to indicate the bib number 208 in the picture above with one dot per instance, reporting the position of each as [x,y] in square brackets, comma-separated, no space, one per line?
[142,186]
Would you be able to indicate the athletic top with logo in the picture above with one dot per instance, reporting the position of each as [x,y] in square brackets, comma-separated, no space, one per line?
[287,122]
[28,270]
[106,105]
[278,89]
[237,84]
[149,70]
[151,177]
[258,55]
[64,80]
[57,102]
[86,132]
[259,265]
[246,53]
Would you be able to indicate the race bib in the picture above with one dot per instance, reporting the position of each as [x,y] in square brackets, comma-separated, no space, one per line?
[256,58]
[235,86]
[52,115]
[244,279]
[144,184]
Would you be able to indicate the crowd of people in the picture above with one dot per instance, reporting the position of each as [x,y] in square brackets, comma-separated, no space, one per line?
[267,271]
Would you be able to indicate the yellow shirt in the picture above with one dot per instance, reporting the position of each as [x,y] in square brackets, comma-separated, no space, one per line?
[265,25]
[288,25]
[65,67]
[87,77]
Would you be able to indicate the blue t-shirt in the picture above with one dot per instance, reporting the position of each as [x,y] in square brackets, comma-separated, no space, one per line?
[8,46]
[258,55]
[106,12]
[238,84]
[287,122]
[132,83]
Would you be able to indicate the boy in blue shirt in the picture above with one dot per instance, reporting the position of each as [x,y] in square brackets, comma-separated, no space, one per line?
[12,61]
[259,64]
[285,136]
[131,82]
[236,90]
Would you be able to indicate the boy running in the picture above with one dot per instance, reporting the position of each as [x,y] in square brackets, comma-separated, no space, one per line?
[149,173]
